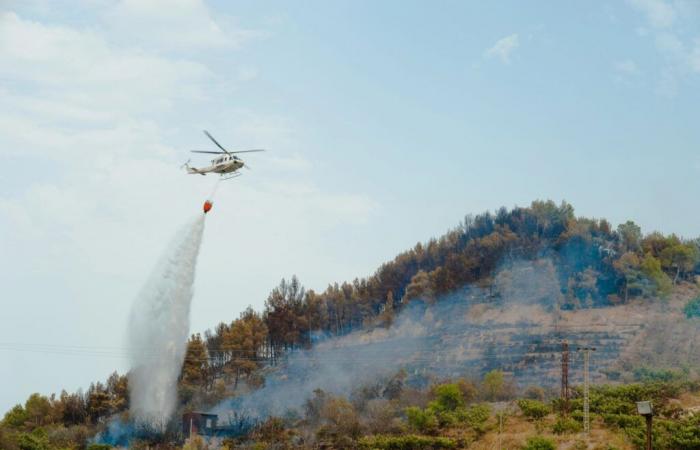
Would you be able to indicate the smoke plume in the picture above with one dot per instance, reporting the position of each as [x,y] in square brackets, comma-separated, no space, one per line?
[159,326]
[517,328]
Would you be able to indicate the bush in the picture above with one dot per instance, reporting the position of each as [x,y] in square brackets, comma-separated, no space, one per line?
[647,374]
[448,397]
[340,419]
[692,308]
[8,439]
[533,409]
[407,442]
[539,443]
[669,435]
[422,420]
[623,420]
[272,430]
[565,425]
[36,440]
[607,399]
[475,416]
[62,437]
[534,393]
[446,418]
[468,389]
[494,386]
[380,417]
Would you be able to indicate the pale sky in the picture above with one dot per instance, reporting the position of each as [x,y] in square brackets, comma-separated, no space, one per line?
[386,122]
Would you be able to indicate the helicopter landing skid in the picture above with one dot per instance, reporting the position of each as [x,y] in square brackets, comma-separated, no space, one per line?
[230,177]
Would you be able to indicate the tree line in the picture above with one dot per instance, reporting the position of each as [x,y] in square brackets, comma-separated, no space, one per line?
[596,265]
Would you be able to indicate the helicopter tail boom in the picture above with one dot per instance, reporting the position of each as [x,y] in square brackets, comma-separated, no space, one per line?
[191,169]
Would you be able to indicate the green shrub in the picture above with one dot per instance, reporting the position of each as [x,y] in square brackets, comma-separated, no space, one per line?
[681,434]
[422,420]
[533,409]
[539,443]
[16,417]
[448,397]
[565,425]
[475,416]
[692,308]
[647,374]
[607,399]
[623,420]
[494,385]
[446,419]
[36,440]
[407,442]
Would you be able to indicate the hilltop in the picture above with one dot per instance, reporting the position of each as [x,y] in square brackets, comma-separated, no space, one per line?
[494,297]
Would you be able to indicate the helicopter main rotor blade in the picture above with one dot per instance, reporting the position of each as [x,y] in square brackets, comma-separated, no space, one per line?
[214,141]
[249,151]
[212,153]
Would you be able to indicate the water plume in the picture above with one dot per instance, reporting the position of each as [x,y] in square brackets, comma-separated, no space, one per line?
[159,327]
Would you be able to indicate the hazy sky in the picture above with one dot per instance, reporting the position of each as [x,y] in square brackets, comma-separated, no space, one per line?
[386,122]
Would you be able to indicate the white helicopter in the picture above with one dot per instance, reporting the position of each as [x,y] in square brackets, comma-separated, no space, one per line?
[225,165]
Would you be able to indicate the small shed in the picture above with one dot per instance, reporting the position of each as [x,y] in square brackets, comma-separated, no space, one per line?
[198,423]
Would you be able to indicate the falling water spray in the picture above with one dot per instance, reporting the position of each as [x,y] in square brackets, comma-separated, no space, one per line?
[159,327]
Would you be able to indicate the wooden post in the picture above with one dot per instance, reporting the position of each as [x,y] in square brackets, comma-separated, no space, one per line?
[649,418]
[565,377]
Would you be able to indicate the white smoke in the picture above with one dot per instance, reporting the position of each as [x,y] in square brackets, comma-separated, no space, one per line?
[159,327]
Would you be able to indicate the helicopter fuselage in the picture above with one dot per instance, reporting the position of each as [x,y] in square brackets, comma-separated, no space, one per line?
[222,165]
[225,164]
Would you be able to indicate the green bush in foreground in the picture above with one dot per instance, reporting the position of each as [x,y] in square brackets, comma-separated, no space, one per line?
[408,442]
[539,443]
[448,397]
[475,416]
[565,425]
[681,434]
[423,421]
[533,409]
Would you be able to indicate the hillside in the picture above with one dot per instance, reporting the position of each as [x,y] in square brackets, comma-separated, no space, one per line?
[495,296]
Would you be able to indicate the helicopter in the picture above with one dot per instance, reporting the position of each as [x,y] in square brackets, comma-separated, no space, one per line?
[226,165]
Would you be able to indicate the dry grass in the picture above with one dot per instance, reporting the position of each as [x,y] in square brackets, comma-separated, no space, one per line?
[517,429]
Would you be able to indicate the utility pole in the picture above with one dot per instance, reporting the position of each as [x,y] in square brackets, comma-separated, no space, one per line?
[565,377]
[586,383]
